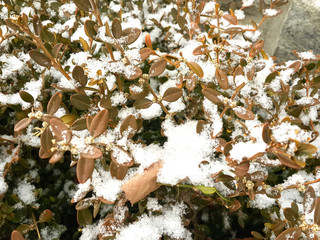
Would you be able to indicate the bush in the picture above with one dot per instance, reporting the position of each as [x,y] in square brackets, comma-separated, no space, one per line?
[153,120]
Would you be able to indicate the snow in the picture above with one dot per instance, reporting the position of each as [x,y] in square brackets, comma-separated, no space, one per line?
[25,192]
[3,185]
[270,12]
[285,131]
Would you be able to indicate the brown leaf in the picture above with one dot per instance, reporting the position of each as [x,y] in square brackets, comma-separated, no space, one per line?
[91,152]
[137,73]
[196,69]
[231,19]
[40,58]
[131,34]
[278,227]
[222,79]
[84,217]
[211,94]
[25,96]
[56,49]
[45,216]
[83,5]
[317,212]
[117,171]
[85,169]
[116,28]
[172,94]
[291,233]
[22,124]
[141,185]
[256,48]
[129,122]
[157,68]
[202,49]
[44,154]
[60,130]
[243,113]
[121,157]
[78,75]
[251,73]
[79,125]
[46,140]
[242,169]
[147,40]
[54,103]
[266,132]
[80,101]
[99,123]
[56,157]
[235,205]
[309,200]
[191,83]
[16,235]
[89,28]
[142,103]
[145,53]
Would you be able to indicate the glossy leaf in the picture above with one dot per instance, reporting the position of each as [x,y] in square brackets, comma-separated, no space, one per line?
[85,169]
[40,58]
[99,123]
[157,68]
[80,101]
[54,103]
[56,157]
[172,94]
[60,130]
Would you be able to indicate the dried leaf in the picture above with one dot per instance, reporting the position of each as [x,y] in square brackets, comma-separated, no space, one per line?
[84,217]
[116,28]
[56,157]
[131,35]
[78,75]
[16,235]
[99,123]
[243,113]
[117,171]
[147,40]
[222,79]
[211,94]
[80,101]
[235,205]
[84,44]
[278,227]
[291,233]
[242,169]
[60,130]
[137,73]
[142,103]
[54,103]
[129,122]
[91,152]
[85,169]
[141,185]
[46,140]
[157,68]
[22,124]
[40,58]
[306,149]
[196,69]
[172,94]
[121,157]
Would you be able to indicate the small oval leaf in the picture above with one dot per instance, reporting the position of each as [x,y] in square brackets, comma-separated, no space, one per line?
[80,101]
[84,217]
[157,68]
[131,35]
[54,103]
[243,113]
[85,169]
[196,69]
[129,123]
[172,94]
[40,58]
[116,28]
[25,96]
[99,123]
[22,124]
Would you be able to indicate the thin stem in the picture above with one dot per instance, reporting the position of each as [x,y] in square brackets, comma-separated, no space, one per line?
[157,99]
[14,159]
[35,223]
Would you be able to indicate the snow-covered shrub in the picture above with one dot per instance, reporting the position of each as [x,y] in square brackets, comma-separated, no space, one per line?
[159,120]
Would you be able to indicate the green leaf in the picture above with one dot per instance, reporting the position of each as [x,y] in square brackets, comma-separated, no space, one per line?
[84,217]
[206,190]
[40,58]
[83,5]
[25,96]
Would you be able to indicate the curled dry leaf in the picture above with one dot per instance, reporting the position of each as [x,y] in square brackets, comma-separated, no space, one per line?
[22,124]
[129,123]
[99,123]
[85,169]
[116,28]
[157,68]
[16,235]
[131,34]
[172,94]
[243,113]
[222,79]
[196,68]
[40,58]
[91,152]
[54,103]
[141,185]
